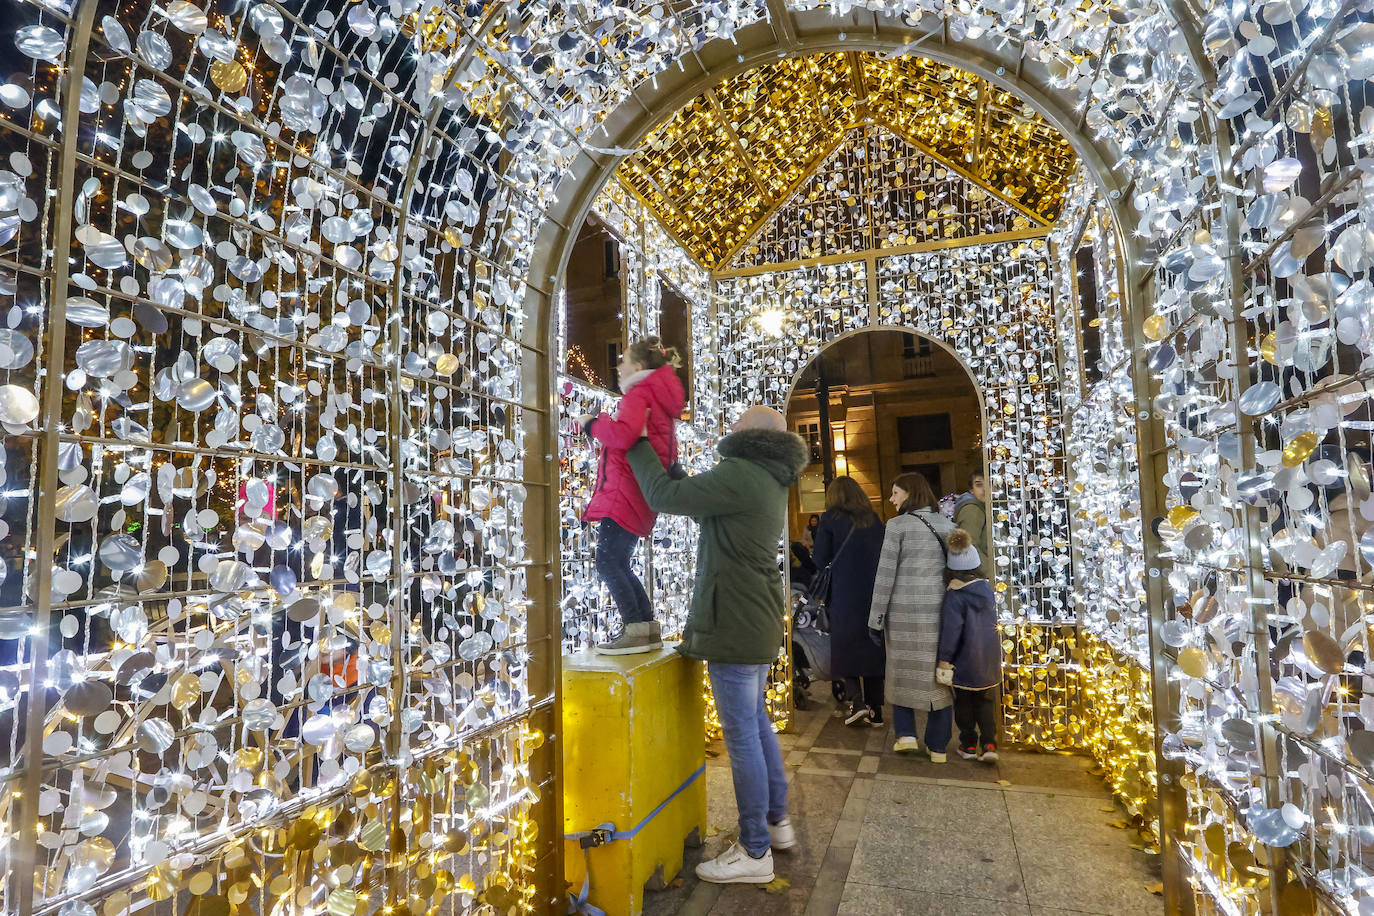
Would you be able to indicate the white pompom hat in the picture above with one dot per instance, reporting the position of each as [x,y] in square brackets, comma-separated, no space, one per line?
[962,554]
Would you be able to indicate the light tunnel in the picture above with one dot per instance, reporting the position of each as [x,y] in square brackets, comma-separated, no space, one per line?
[289,525]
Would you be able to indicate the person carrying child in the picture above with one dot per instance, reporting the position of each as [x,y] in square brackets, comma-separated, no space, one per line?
[651,392]
[970,651]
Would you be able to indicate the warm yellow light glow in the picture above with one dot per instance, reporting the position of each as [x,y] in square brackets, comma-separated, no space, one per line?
[714,171]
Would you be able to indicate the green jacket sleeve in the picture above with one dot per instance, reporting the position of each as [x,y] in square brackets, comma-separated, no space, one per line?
[697,496]
[973,518]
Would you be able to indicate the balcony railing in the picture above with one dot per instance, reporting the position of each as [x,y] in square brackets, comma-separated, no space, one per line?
[918,366]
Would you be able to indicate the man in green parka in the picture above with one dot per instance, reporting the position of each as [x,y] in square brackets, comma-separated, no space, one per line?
[736,620]
[971,514]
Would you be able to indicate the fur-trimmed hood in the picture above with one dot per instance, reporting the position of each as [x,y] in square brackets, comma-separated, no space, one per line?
[783,454]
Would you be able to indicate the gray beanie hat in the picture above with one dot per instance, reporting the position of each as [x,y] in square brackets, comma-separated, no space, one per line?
[962,554]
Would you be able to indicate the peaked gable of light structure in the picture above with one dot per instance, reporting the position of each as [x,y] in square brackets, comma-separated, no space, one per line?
[878,191]
[734,153]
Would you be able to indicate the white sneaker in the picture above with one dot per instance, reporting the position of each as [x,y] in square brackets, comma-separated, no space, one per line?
[857,715]
[906,745]
[781,835]
[735,866]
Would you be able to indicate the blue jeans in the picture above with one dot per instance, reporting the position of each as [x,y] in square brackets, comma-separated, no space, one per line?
[939,726]
[614,547]
[755,758]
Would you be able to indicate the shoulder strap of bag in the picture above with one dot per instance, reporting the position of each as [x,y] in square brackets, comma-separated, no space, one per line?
[822,578]
[852,529]
[943,549]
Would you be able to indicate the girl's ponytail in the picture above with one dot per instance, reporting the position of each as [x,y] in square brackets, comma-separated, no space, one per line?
[651,354]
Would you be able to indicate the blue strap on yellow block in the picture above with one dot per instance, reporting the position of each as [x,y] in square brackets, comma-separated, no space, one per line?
[605,833]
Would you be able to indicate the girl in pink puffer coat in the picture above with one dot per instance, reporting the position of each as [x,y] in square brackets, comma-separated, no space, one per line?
[652,397]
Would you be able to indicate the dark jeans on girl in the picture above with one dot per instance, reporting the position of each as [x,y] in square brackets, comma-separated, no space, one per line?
[976,713]
[614,547]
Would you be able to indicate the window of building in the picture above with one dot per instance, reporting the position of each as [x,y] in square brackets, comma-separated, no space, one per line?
[1090,316]
[811,433]
[593,304]
[918,356]
[931,472]
[925,433]
[614,350]
[914,345]
[611,253]
[674,328]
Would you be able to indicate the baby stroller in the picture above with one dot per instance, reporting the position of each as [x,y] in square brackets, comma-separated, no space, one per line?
[810,653]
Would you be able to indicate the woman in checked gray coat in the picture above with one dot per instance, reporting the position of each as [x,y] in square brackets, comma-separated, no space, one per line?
[906,614]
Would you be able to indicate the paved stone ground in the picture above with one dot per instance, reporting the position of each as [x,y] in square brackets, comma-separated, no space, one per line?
[884,835]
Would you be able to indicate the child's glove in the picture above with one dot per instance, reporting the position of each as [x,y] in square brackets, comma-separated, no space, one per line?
[944,674]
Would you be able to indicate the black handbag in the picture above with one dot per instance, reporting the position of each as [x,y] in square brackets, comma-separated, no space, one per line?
[818,595]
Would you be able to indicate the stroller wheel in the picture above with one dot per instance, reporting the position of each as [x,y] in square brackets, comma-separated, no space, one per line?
[838,692]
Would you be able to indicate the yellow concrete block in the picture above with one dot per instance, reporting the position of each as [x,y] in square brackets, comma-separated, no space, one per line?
[632,734]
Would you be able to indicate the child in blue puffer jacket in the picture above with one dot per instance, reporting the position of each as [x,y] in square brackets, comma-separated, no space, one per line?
[970,651]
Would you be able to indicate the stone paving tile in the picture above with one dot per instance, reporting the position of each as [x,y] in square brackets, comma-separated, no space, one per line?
[816,803]
[744,900]
[821,760]
[947,862]
[927,813]
[1051,771]
[874,900]
[1067,820]
[1113,879]
[837,734]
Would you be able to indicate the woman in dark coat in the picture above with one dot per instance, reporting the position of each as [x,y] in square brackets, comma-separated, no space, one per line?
[853,655]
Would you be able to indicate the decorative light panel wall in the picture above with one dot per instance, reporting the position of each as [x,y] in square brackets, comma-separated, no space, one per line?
[993,137]
[265,557]
[666,562]
[1107,527]
[772,324]
[993,305]
[1109,562]
[654,258]
[1239,132]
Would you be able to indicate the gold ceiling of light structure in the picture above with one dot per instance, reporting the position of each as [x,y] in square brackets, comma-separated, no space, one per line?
[716,170]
